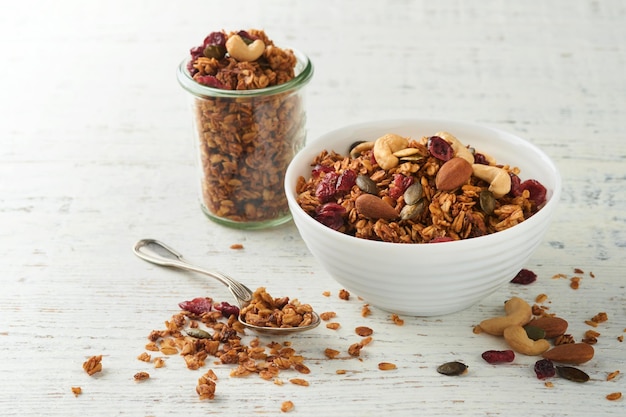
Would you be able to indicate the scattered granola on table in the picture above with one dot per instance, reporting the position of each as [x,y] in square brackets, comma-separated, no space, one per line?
[206,387]
[397,320]
[93,365]
[331,353]
[355,348]
[612,375]
[141,376]
[387,366]
[344,294]
[159,362]
[299,381]
[614,396]
[327,315]
[403,190]
[205,329]
[286,406]
[363,331]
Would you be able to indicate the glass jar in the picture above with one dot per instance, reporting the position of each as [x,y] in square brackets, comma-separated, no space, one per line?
[245,140]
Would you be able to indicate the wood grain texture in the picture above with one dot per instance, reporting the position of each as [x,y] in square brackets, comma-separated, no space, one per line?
[96,153]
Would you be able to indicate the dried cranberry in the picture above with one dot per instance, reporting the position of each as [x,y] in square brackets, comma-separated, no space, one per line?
[226,309]
[515,185]
[439,148]
[211,81]
[191,69]
[330,215]
[498,356]
[479,158]
[544,368]
[524,277]
[214,38]
[441,239]
[319,169]
[327,187]
[399,185]
[346,181]
[197,305]
[536,190]
[195,53]
[247,38]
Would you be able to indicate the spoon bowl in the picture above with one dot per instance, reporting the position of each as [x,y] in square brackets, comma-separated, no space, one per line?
[158,253]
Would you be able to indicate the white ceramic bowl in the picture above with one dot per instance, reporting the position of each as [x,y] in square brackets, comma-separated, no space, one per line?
[427,279]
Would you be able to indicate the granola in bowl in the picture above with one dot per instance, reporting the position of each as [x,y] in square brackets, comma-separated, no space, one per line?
[405,190]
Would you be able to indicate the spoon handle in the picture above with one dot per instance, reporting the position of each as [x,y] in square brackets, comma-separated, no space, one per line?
[158,253]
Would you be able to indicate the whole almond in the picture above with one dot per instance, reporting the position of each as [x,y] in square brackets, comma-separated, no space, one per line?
[375,208]
[573,353]
[553,326]
[452,174]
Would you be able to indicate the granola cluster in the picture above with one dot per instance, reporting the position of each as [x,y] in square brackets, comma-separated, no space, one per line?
[93,365]
[464,208]
[267,311]
[246,141]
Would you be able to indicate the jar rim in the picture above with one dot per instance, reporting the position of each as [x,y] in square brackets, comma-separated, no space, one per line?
[303,70]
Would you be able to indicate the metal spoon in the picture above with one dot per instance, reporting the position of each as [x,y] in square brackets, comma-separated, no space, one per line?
[160,254]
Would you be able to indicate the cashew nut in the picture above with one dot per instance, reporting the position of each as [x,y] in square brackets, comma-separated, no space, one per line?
[499,180]
[518,312]
[385,146]
[238,49]
[459,149]
[519,341]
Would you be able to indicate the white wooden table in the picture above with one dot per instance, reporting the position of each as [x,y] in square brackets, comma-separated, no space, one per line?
[96,153]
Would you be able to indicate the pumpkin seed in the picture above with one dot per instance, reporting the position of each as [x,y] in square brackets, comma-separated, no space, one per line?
[534,332]
[402,153]
[452,368]
[487,201]
[357,147]
[366,184]
[412,211]
[198,333]
[413,158]
[214,51]
[571,373]
[414,193]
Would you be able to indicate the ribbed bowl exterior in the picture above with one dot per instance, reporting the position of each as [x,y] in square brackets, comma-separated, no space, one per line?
[427,279]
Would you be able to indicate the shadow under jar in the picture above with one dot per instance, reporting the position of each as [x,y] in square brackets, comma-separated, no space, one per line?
[245,141]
